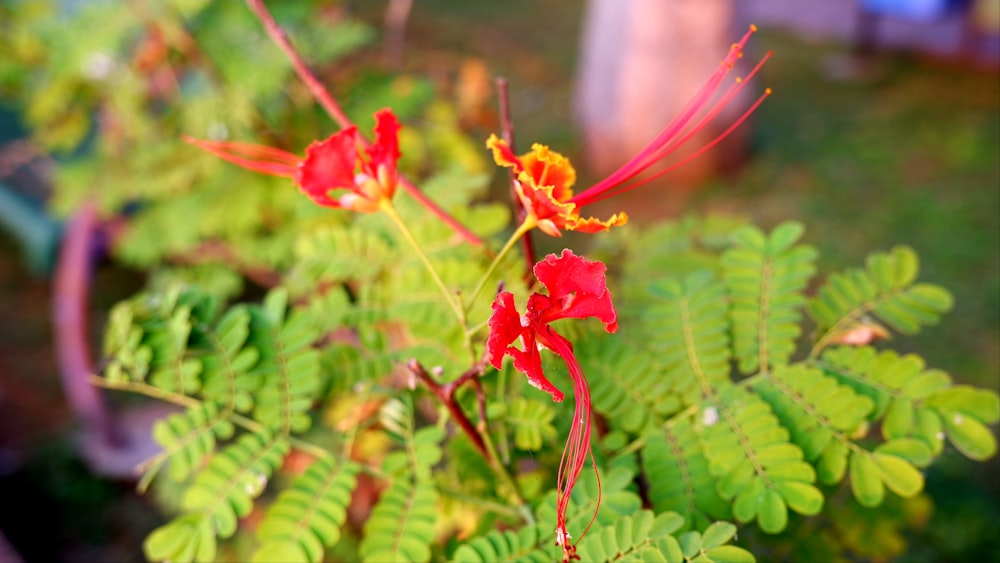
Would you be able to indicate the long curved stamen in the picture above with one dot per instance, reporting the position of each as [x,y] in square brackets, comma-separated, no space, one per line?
[677,132]
[577,448]
[616,190]
[723,102]
[259,158]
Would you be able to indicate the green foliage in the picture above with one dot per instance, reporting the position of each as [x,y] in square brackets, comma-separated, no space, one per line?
[221,493]
[532,423]
[766,277]
[308,515]
[684,484]
[689,329]
[498,546]
[756,449]
[288,365]
[401,527]
[709,447]
[708,406]
[884,289]
[188,438]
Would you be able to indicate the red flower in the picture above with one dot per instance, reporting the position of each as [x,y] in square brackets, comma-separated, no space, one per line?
[368,176]
[576,289]
[544,185]
[545,178]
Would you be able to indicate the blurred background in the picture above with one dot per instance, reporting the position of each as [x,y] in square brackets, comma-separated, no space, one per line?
[883,129]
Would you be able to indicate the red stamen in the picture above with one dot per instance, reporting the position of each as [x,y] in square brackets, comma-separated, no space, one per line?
[577,448]
[259,158]
[625,188]
[679,130]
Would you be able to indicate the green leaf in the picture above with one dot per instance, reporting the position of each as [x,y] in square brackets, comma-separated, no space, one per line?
[801,497]
[532,422]
[898,419]
[765,283]
[866,481]
[982,404]
[901,477]
[748,503]
[784,236]
[773,515]
[884,289]
[689,331]
[911,449]
[717,534]
[281,552]
[401,527]
[971,437]
[188,538]
[309,513]
[690,543]
[729,554]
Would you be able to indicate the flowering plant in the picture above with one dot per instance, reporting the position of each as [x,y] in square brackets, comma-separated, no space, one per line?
[370,386]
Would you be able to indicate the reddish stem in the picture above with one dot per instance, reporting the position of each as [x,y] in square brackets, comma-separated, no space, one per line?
[333,109]
[446,394]
[507,132]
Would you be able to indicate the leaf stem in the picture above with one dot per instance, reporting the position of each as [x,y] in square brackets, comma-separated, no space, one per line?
[390,210]
[240,420]
[525,226]
[484,503]
[507,131]
[480,436]
[446,395]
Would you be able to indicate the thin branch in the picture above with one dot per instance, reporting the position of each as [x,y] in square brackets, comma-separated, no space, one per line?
[333,109]
[446,394]
[242,421]
[318,91]
[481,436]
[507,132]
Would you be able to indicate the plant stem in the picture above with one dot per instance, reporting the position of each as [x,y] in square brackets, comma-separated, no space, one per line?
[522,229]
[390,210]
[502,395]
[446,395]
[333,109]
[480,437]
[240,420]
[501,471]
[507,132]
[484,503]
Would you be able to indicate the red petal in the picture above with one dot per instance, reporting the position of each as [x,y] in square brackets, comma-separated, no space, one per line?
[385,150]
[549,168]
[505,327]
[529,362]
[577,288]
[328,165]
[503,155]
